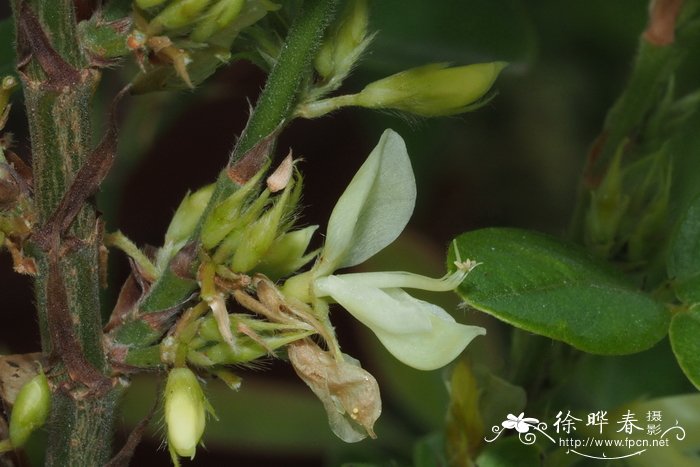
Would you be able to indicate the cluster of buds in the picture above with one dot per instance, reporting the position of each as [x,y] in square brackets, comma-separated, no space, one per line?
[250,230]
[186,40]
[628,210]
[254,300]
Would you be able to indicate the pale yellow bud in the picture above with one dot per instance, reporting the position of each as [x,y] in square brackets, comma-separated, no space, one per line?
[432,90]
[185,412]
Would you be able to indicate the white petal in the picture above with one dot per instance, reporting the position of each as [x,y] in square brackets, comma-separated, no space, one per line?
[374,307]
[418,333]
[374,208]
[432,349]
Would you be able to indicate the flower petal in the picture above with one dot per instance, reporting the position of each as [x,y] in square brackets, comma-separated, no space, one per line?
[432,349]
[374,208]
[374,307]
[418,333]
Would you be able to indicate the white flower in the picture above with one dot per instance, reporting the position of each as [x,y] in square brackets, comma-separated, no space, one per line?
[369,215]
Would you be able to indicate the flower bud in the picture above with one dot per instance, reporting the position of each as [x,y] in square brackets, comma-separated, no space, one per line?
[432,90]
[183,224]
[228,214]
[178,14]
[256,240]
[258,237]
[249,350]
[608,206]
[217,18]
[286,254]
[185,412]
[188,214]
[345,43]
[31,409]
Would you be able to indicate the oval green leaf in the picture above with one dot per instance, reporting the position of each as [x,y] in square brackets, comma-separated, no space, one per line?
[543,285]
[683,333]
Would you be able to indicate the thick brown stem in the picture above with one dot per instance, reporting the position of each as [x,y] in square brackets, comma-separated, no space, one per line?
[58,89]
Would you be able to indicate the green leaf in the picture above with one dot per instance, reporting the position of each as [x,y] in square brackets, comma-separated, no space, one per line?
[7,47]
[543,285]
[685,341]
[683,263]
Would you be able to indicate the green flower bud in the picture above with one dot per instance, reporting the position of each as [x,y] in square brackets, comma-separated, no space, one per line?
[432,90]
[183,224]
[188,214]
[217,18]
[185,413]
[258,237]
[344,44]
[286,254]
[178,14]
[249,350]
[31,409]
[608,206]
[227,215]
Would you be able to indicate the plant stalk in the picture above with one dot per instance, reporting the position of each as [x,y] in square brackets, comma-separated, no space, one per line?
[58,88]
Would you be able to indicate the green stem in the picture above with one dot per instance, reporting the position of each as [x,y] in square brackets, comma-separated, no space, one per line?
[119,240]
[285,83]
[80,426]
[275,107]
[320,108]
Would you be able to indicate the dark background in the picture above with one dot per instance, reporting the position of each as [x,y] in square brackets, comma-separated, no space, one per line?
[515,162]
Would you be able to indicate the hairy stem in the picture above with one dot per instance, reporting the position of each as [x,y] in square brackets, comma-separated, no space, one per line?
[58,90]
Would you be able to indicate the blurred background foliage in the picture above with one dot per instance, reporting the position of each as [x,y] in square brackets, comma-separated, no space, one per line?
[515,162]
